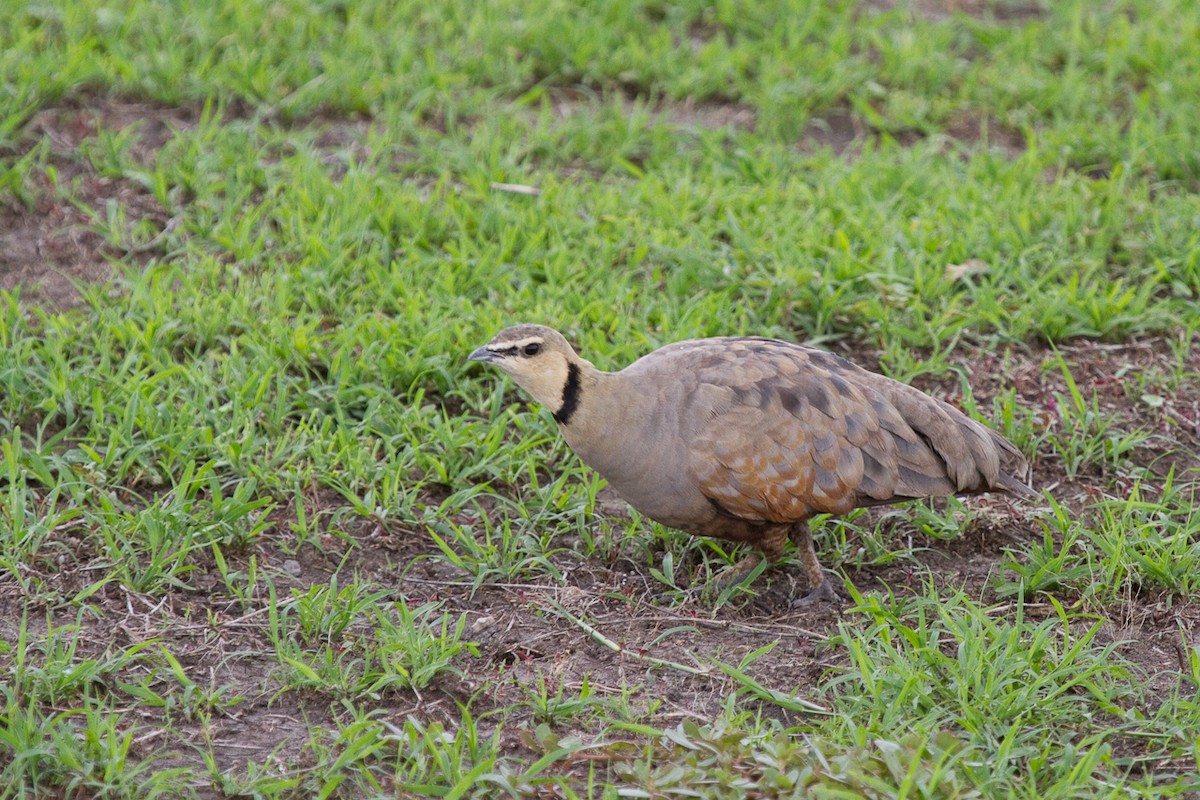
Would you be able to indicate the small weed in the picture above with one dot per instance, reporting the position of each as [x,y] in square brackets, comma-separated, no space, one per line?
[415,647]
[1149,544]
[242,585]
[553,703]
[1084,436]
[504,546]
[324,613]
[860,546]
[1061,560]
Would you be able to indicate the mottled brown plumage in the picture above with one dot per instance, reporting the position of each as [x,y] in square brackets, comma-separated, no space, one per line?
[745,438]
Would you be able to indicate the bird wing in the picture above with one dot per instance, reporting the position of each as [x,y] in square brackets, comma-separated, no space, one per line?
[780,431]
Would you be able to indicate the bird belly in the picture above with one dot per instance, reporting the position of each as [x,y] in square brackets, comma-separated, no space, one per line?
[654,489]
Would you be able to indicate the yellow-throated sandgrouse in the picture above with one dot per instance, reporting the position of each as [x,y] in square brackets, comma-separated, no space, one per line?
[745,438]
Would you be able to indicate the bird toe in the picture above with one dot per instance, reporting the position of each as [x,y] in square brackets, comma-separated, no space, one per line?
[824,593]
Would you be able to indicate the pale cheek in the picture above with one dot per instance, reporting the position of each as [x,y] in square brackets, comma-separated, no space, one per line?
[546,384]
[547,390]
[536,385]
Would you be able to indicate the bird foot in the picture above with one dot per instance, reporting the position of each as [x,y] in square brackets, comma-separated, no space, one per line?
[824,593]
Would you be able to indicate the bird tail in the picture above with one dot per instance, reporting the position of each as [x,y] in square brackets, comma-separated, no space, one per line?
[1015,476]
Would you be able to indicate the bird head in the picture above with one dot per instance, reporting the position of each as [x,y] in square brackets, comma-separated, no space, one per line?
[539,360]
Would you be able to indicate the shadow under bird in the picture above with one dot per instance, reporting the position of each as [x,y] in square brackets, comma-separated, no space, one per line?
[746,438]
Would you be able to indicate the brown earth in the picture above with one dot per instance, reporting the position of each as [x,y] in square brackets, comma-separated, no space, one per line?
[1000,10]
[49,246]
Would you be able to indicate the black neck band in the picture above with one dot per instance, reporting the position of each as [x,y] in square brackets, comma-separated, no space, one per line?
[570,398]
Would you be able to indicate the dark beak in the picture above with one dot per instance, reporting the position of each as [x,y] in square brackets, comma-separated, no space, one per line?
[482,354]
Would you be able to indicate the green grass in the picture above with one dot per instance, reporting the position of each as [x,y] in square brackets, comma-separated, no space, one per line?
[252,478]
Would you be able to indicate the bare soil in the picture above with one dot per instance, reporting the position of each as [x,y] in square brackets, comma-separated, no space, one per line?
[999,10]
[49,246]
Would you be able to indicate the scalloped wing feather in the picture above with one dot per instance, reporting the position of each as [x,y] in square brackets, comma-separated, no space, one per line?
[782,431]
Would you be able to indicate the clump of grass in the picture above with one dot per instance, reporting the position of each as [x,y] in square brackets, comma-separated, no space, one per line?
[1059,561]
[88,748]
[723,760]
[1033,702]
[355,645]
[1149,544]
[87,752]
[1118,548]
[552,702]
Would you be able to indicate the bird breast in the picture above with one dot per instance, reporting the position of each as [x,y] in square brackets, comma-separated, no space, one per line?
[645,458]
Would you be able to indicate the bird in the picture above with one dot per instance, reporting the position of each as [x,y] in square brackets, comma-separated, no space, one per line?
[745,438]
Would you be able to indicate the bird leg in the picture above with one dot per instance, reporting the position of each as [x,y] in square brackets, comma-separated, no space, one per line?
[771,546]
[730,576]
[820,589]
[737,573]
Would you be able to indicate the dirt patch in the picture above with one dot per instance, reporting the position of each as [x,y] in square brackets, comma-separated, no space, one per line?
[837,129]
[709,115]
[46,251]
[845,133]
[82,117]
[936,10]
[974,130]
[52,242]
[53,238]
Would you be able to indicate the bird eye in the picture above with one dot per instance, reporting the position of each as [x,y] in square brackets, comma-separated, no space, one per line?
[532,349]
